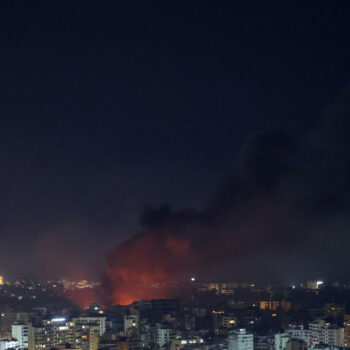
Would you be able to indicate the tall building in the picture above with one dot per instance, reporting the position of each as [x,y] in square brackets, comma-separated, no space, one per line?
[281,340]
[162,335]
[298,332]
[8,344]
[217,316]
[81,333]
[20,333]
[131,325]
[240,340]
[85,337]
[346,339]
[99,321]
[49,334]
[322,332]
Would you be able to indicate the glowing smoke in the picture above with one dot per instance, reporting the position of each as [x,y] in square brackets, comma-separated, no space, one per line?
[273,206]
[173,246]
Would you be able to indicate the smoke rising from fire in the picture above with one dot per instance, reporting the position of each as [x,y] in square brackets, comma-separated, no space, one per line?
[273,206]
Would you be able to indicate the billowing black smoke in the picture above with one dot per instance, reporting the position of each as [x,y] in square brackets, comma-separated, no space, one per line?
[282,214]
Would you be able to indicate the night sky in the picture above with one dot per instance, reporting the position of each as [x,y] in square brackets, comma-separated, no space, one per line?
[109,106]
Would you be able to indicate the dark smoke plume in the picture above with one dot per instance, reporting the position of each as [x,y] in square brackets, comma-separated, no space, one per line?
[270,218]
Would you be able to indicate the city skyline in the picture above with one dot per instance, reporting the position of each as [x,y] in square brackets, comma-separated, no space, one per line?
[175,175]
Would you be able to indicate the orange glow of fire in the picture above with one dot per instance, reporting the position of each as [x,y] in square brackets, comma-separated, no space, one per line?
[141,268]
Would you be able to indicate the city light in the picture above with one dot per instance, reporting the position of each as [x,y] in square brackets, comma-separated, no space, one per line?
[319,283]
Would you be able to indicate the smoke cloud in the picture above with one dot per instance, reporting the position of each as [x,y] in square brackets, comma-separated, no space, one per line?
[268,220]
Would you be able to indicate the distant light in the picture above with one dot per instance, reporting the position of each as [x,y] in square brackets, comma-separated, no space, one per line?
[58,319]
[193,279]
[318,283]
[293,286]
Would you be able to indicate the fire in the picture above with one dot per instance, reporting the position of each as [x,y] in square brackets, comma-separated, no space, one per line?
[141,268]
[153,264]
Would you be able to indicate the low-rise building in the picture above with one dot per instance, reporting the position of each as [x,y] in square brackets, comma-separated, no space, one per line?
[8,344]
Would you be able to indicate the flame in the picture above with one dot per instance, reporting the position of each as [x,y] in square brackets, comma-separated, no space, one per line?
[142,267]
